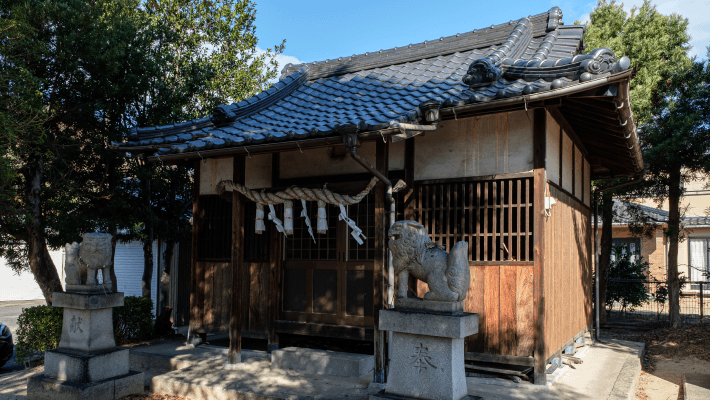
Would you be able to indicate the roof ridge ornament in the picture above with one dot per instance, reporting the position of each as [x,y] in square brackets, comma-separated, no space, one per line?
[555,19]
[486,70]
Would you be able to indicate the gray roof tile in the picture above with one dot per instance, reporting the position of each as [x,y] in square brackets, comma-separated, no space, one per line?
[375,88]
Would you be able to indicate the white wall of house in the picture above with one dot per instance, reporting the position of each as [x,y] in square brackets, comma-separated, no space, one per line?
[24,286]
[128,266]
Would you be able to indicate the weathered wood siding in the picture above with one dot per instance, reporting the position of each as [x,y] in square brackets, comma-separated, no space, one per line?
[568,271]
[217,291]
[501,295]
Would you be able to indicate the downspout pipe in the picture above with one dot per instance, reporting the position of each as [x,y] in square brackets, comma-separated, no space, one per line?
[597,193]
[389,191]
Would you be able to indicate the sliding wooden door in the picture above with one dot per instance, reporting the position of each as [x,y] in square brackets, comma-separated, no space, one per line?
[330,280]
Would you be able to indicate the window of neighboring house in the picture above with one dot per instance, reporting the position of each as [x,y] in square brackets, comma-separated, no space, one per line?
[697,260]
[628,246]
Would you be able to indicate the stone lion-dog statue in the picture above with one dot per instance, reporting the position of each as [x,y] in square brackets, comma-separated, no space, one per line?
[83,260]
[414,253]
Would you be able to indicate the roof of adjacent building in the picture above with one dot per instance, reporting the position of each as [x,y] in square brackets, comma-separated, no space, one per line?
[627,212]
[531,62]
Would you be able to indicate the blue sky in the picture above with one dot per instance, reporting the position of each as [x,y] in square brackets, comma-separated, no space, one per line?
[316,30]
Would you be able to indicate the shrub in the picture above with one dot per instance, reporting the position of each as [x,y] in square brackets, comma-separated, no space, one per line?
[133,320]
[40,329]
[629,294]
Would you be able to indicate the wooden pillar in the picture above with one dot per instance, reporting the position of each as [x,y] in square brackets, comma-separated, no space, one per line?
[274,266]
[195,324]
[235,317]
[408,195]
[380,269]
[539,188]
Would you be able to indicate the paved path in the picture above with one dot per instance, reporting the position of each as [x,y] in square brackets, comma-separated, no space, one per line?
[9,312]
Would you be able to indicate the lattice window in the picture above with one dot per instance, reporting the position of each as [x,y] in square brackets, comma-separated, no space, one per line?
[256,247]
[494,217]
[300,246]
[363,214]
[215,241]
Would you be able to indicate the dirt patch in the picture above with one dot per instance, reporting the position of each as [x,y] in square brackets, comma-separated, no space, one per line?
[670,355]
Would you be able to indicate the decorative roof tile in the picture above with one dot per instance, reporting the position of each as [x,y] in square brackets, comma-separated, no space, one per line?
[517,58]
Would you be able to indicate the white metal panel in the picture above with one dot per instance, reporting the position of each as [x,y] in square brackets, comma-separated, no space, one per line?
[552,152]
[567,151]
[587,183]
[578,179]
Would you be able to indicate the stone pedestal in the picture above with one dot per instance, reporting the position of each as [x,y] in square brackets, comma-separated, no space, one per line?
[427,349]
[87,364]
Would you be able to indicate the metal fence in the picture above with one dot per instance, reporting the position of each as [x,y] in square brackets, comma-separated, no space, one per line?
[646,302]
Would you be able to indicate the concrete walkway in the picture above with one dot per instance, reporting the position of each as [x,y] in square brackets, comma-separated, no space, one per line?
[610,370]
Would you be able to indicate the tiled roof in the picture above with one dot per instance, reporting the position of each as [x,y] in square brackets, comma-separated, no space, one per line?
[371,91]
[624,214]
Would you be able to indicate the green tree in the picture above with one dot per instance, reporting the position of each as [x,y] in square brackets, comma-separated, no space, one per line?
[204,54]
[67,69]
[657,45]
[676,146]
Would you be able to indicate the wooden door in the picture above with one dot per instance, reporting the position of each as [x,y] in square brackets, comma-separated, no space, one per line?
[329,281]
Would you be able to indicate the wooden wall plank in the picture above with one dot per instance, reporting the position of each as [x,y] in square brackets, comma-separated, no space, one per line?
[236,313]
[492,308]
[524,311]
[275,272]
[568,272]
[226,295]
[539,185]
[254,296]
[474,304]
[508,288]
[208,293]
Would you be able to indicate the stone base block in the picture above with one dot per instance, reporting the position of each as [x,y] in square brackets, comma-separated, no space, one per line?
[323,362]
[456,326]
[385,396]
[87,301]
[439,307]
[45,388]
[426,367]
[75,366]
[87,330]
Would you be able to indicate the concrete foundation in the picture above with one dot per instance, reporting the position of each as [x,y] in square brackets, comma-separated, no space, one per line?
[43,387]
[323,362]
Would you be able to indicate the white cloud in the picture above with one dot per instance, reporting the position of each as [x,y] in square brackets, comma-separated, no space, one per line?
[281,59]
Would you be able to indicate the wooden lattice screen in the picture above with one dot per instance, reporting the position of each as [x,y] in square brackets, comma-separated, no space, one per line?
[215,242]
[493,216]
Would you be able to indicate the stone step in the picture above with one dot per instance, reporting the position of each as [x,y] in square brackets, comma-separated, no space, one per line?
[162,358]
[323,362]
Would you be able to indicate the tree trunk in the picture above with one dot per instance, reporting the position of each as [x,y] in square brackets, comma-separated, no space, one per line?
[148,241]
[605,247]
[112,271]
[674,192]
[147,264]
[41,264]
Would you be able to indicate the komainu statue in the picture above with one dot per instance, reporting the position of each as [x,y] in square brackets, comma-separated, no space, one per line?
[81,261]
[414,253]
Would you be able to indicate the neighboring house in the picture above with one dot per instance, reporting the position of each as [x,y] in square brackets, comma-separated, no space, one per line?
[128,267]
[693,250]
[515,118]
